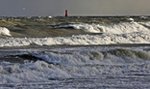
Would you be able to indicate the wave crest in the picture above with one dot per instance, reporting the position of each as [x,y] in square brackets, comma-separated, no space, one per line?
[130,53]
[4,31]
[121,28]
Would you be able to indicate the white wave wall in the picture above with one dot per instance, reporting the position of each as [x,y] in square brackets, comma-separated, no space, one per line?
[124,28]
[122,33]
[4,31]
[121,28]
[132,38]
[75,63]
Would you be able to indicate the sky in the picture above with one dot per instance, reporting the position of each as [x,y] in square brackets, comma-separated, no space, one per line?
[74,7]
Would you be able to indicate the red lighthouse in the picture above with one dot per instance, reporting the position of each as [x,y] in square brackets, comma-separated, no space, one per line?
[66,13]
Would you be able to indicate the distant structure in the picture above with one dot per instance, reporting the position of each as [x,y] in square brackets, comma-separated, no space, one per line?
[66,13]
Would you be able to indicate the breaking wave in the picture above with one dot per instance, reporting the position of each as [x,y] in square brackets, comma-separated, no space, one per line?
[121,28]
[78,57]
[105,64]
[102,39]
[121,33]
[72,63]
[4,31]
[131,53]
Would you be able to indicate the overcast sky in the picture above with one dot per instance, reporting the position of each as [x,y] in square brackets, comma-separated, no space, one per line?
[75,7]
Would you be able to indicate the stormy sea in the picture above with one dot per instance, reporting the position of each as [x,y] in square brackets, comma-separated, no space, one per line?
[107,52]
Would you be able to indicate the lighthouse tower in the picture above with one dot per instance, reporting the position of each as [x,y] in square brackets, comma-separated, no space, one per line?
[66,13]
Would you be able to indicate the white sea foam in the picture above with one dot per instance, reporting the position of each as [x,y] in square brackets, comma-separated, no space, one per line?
[122,33]
[132,38]
[121,28]
[4,31]
[145,23]
[74,63]
[124,28]
[80,62]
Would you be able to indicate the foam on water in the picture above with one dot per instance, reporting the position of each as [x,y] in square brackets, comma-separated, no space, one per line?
[118,67]
[102,39]
[122,33]
[4,31]
[71,63]
[121,28]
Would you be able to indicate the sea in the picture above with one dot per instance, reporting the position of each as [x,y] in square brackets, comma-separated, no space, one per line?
[106,52]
